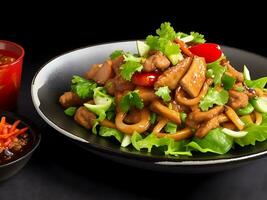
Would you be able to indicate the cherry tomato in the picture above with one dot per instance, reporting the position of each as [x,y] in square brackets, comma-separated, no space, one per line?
[210,51]
[145,78]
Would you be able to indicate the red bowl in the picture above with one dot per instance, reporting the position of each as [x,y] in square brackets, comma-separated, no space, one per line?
[10,74]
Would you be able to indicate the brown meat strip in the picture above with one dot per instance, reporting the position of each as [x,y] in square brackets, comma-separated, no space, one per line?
[209,125]
[116,63]
[230,69]
[84,117]
[204,116]
[158,60]
[195,77]
[104,73]
[92,71]
[70,99]
[147,94]
[237,99]
[172,76]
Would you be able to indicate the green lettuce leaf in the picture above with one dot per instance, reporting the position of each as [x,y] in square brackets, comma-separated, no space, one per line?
[255,133]
[172,147]
[108,132]
[213,97]
[176,148]
[215,141]
[82,87]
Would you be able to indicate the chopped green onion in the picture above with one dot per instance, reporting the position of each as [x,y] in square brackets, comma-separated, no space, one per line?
[228,82]
[170,127]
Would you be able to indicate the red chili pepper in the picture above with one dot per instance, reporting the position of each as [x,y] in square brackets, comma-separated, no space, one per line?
[145,78]
[210,51]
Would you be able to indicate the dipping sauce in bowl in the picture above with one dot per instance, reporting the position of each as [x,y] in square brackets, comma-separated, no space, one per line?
[18,140]
[11,59]
[13,139]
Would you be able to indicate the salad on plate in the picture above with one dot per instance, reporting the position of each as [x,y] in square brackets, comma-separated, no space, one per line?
[179,94]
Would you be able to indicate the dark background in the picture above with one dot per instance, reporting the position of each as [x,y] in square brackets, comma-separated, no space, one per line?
[59,169]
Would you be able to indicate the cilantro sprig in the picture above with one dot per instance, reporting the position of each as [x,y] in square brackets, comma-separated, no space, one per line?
[131,99]
[164,93]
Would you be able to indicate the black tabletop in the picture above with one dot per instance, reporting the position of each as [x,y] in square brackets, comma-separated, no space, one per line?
[61,170]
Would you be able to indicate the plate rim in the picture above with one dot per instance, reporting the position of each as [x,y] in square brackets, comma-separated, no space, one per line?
[156,160]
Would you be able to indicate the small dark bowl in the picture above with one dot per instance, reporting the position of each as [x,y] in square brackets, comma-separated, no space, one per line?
[19,160]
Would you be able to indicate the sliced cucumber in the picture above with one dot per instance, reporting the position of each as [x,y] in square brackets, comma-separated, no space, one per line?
[142,48]
[175,58]
[126,141]
[260,104]
[246,73]
[234,134]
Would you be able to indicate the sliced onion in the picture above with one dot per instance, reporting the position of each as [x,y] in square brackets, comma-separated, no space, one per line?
[235,134]
[187,38]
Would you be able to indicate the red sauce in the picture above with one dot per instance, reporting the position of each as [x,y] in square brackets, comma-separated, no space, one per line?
[10,75]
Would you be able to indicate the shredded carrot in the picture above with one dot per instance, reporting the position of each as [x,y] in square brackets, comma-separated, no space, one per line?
[2,123]
[9,131]
[14,126]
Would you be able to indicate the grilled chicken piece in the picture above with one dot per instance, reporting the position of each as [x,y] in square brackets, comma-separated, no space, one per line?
[84,117]
[110,86]
[147,94]
[158,60]
[70,99]
[122,85]
[237,99]
[236,74]
[195,77]
[92,71]
[204,129]
[199,116]
[116,63]
[172,76]
[104,73]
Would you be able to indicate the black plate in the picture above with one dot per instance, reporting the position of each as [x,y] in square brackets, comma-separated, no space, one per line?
[54,78]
